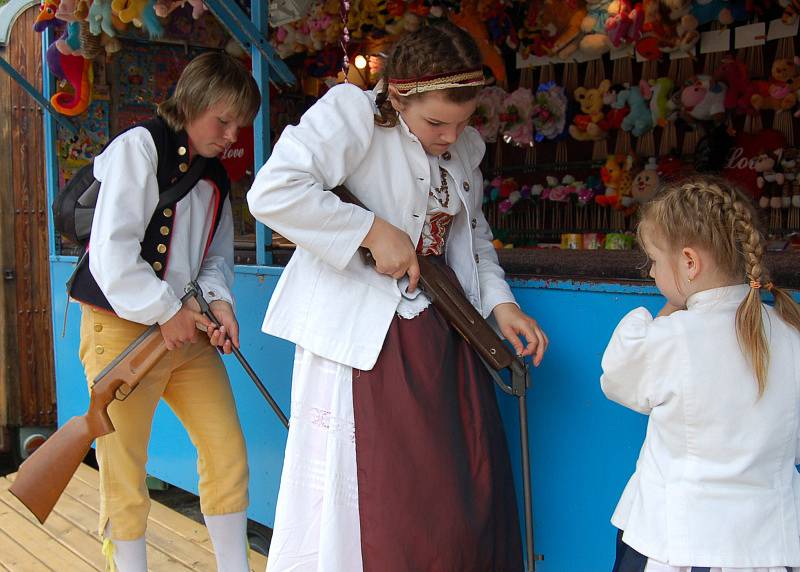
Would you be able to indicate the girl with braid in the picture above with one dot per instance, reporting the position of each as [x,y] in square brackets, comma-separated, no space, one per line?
[396,458]
[718,373]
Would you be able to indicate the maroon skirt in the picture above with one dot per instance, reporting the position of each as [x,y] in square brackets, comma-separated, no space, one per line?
[435,488]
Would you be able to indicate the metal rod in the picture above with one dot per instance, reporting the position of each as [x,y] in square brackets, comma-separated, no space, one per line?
[530,556]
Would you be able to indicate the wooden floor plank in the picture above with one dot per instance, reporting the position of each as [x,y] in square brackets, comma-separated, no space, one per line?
[14,557]
[175,542]
[31,535]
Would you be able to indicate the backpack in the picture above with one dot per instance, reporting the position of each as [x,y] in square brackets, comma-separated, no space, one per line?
[75,202]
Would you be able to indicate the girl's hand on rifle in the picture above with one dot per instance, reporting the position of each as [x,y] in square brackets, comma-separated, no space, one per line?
[227,335]
[182,327]
[393,252]
[514,324]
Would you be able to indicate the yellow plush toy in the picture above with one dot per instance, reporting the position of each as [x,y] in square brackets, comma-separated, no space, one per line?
[128,10]
[586,126]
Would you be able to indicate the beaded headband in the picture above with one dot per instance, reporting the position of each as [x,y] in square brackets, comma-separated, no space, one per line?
[467,78]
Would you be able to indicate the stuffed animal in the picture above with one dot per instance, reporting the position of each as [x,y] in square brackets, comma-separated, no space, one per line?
[46,16]
[703,99]
[469,20]
[595,41]
[791,8]
[150,21]
[78,72]
[768,181]
[99,18]
[668,26]
[661,104]
[616,176]
[624,23]
[66,11]
[128,10]
[198,8]
[780,91]
[789,168]
[70,41]
[616,113]
[586,125]
[733,73]
[645,183]
[639,120]
[164,8]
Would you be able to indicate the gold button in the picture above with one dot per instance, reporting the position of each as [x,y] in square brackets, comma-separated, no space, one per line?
[181,150]
[466,186]
[98,327]
[183,167]
[157,266]
[167,213]
[99,349]
[446,155]
[164,230]
[162,248]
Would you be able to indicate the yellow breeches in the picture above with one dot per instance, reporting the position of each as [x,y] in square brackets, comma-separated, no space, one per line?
[193,382]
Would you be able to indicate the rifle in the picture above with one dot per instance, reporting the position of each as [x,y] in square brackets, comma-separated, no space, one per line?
[44,475]
[448,298]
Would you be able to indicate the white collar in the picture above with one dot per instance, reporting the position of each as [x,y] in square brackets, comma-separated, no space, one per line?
[726,294]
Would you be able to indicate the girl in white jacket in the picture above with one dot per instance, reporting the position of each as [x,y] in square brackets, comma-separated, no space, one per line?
[396,458]
[718,372]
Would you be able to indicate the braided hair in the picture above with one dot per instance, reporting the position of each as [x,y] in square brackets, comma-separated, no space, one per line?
[433,49]
[713,214]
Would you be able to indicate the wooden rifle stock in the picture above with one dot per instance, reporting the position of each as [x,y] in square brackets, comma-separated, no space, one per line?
[44,475]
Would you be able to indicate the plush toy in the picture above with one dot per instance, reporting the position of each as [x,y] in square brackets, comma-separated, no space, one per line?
[668,26]
[46,16]
[789,167]
[66,11]
[703,99]
[733,73]
[617,109]
[586,125]
[150,21]
[639,120]
[706,11]
[70,41]
[616,176]
[99,18]
[469,20]
[198,8]
[128,10]
[560,24]
[164,8]
[645,183]
[769,181]
[661,104]
[779,92]
[595,41]
[78,72]
[625,21]
[791,8]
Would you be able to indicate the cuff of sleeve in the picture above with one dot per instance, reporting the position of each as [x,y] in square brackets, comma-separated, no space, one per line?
[501,295]
[169,313]
[342,251]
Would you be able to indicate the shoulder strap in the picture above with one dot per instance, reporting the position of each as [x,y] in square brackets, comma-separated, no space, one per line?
[185,184]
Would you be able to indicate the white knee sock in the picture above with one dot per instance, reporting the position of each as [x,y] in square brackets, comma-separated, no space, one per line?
[127,555]
[229,536]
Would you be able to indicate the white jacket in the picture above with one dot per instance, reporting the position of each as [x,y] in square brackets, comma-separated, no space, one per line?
[125,204]
[715,482]
[327,301]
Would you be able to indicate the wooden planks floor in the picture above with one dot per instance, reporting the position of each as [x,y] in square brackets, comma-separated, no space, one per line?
[69,541]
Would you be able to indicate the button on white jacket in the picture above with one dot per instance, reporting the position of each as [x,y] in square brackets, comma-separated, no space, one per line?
[715,483]
[327,301]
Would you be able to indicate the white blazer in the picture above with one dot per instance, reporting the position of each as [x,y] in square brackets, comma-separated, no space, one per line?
[715,482]
[327,301]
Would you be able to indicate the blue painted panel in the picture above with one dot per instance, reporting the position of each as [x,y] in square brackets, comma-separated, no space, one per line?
[171,455]
[583,447]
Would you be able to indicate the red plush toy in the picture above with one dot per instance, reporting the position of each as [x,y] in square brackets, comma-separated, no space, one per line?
[733,73]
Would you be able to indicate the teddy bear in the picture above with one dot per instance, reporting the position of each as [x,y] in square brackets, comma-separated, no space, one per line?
[668,26]
[586,125]
[560,25]
[639,120]
[595,41]
[768,181]
[779,92]
[733,73]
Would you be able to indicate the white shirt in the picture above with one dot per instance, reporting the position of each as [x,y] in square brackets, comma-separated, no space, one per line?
[128,196]
[715,483]
[327,300]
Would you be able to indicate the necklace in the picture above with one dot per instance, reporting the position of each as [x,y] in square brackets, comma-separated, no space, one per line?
[442,193]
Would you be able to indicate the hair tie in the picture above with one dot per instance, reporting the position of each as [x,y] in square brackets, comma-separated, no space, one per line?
[755,284]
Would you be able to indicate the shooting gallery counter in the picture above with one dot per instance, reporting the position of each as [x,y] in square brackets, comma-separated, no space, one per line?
[617,265]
